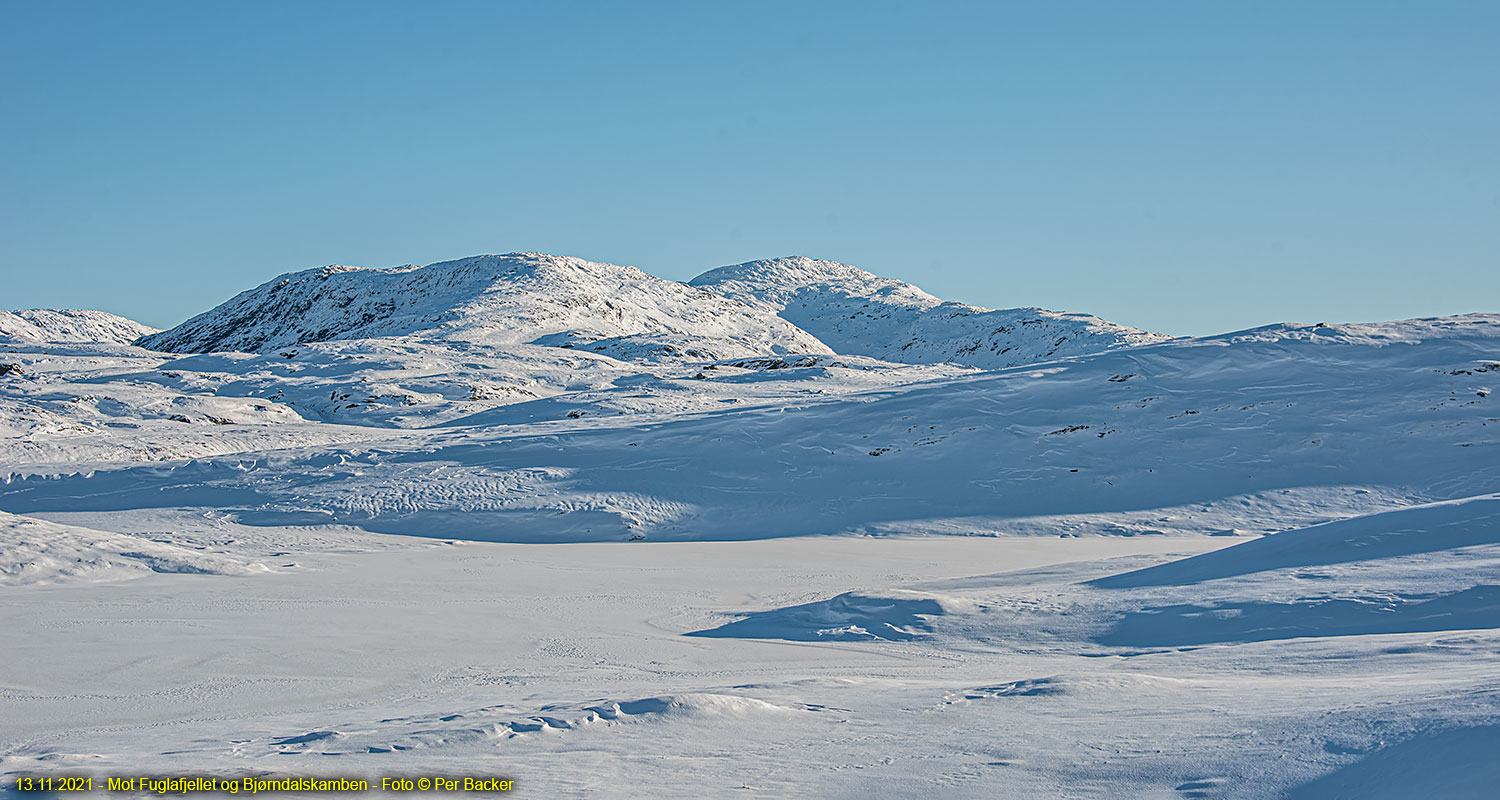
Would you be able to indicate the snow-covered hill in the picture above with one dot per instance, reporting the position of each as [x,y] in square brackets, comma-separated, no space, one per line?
[773,307]
[69,325]
[502,300]
[1254,431]
[1034,571]
[856,312]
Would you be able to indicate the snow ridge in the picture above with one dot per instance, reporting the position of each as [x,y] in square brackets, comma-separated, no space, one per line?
[859,313]
[70,326]
[517,298]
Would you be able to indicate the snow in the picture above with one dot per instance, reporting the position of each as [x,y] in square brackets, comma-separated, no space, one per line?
[69,325]
[716,548]
[1261,433]
[36,551]
[892,617]
[1448,763]
[1410,530]
[509,299]
[856,312]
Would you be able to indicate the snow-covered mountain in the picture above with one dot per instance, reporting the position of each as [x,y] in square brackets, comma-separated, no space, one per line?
[69,325]
[773,307]
[1030,556]
[856,312]
[518,298]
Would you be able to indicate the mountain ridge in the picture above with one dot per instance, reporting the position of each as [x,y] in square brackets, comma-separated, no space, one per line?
[860,313]
[70,326]
[772,307]
[509,299]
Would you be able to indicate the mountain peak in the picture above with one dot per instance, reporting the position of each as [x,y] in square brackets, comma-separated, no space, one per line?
[860,313]
[777,281]
[503,300]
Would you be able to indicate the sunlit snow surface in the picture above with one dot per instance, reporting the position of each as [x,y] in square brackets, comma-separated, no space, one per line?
[762,571]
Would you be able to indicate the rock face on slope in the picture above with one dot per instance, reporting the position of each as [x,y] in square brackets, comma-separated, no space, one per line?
[518,298]
[858,313]
[70,326]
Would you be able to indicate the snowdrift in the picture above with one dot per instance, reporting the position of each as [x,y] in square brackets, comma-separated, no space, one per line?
[38,551]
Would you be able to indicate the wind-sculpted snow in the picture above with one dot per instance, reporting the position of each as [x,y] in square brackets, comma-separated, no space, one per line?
[498,300]
[900,617]
[1458,763]
[1188,624]
[856,312]
[38,551]
[1404,531]
[499,725]
[69,325]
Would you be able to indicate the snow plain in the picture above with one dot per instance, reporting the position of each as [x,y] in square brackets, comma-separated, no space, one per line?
[613,536]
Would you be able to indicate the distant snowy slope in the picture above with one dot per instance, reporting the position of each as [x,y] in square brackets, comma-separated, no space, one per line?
[69,325]
[519,298]
[856,312]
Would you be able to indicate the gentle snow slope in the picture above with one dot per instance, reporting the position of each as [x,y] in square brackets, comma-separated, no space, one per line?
[1258,431]
[518,298]
[856,312]
[1426,528]
[38,551]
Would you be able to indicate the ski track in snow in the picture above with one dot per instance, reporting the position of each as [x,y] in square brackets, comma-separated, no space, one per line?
[793,530]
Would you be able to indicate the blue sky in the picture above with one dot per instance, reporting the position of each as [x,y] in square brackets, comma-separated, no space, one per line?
[1187,167]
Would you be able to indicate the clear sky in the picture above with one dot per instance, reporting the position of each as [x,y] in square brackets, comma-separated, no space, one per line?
[1189,167]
